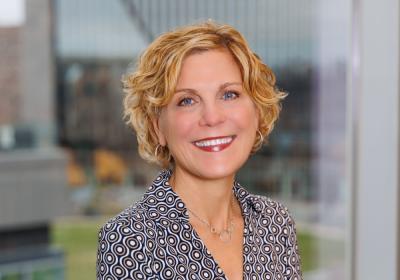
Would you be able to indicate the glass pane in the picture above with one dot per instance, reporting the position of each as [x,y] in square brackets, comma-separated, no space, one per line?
[74,104]
[305,43]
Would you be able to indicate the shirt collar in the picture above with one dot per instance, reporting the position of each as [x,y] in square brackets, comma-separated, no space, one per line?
[161,200]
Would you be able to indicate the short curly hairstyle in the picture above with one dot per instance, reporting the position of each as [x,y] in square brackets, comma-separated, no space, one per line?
[151,85]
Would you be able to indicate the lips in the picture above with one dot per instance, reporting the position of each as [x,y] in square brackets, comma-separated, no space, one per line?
[214,144]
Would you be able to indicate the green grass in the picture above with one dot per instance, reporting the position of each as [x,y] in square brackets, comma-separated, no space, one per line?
[307,248]
[78,238]
[319,252]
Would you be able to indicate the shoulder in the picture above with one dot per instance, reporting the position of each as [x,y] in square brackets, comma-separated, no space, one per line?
[132,221]
[123,250]
[272,209]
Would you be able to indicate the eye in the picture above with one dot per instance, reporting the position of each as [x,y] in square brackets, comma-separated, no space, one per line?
[186,101]
[228,95]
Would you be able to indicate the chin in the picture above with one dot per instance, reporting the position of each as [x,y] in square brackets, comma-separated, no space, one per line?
[218,174]
[218,171]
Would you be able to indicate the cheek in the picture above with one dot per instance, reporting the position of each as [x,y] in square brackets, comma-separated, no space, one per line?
[178,127]
[247,118]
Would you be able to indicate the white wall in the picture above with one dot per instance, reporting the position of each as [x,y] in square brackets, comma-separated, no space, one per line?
[375,139]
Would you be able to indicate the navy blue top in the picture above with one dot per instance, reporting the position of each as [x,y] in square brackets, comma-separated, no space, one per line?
[153,239]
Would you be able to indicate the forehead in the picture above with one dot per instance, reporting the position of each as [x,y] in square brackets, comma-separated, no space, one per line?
[217,65]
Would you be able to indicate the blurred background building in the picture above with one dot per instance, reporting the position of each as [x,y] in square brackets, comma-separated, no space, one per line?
[32,168]
[66,152]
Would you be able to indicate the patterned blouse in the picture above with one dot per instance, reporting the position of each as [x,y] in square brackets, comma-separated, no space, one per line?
[153,239]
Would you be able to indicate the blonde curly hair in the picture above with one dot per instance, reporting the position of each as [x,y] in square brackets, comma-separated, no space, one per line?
[152,84]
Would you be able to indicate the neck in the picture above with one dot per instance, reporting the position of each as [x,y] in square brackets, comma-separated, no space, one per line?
[209,199]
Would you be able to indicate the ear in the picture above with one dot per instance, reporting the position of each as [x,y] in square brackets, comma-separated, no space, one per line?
[160,135]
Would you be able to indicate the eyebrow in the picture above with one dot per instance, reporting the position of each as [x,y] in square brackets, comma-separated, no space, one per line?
[221,87]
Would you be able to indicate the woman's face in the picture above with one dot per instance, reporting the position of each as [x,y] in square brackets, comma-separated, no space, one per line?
[210,123]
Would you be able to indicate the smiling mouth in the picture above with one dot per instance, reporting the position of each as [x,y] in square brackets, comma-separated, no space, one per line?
[214,144]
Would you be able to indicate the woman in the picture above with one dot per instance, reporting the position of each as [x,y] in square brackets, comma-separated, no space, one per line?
[201,102]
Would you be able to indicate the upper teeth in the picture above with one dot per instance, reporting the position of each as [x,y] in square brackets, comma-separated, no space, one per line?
[213,142]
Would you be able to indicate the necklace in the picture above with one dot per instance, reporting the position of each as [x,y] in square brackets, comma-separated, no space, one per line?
[224,235]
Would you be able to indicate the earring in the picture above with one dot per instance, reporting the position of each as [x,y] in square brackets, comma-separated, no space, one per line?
[156,150]
[261,137]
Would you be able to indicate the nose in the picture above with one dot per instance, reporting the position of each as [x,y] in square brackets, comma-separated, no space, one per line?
[212,115]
